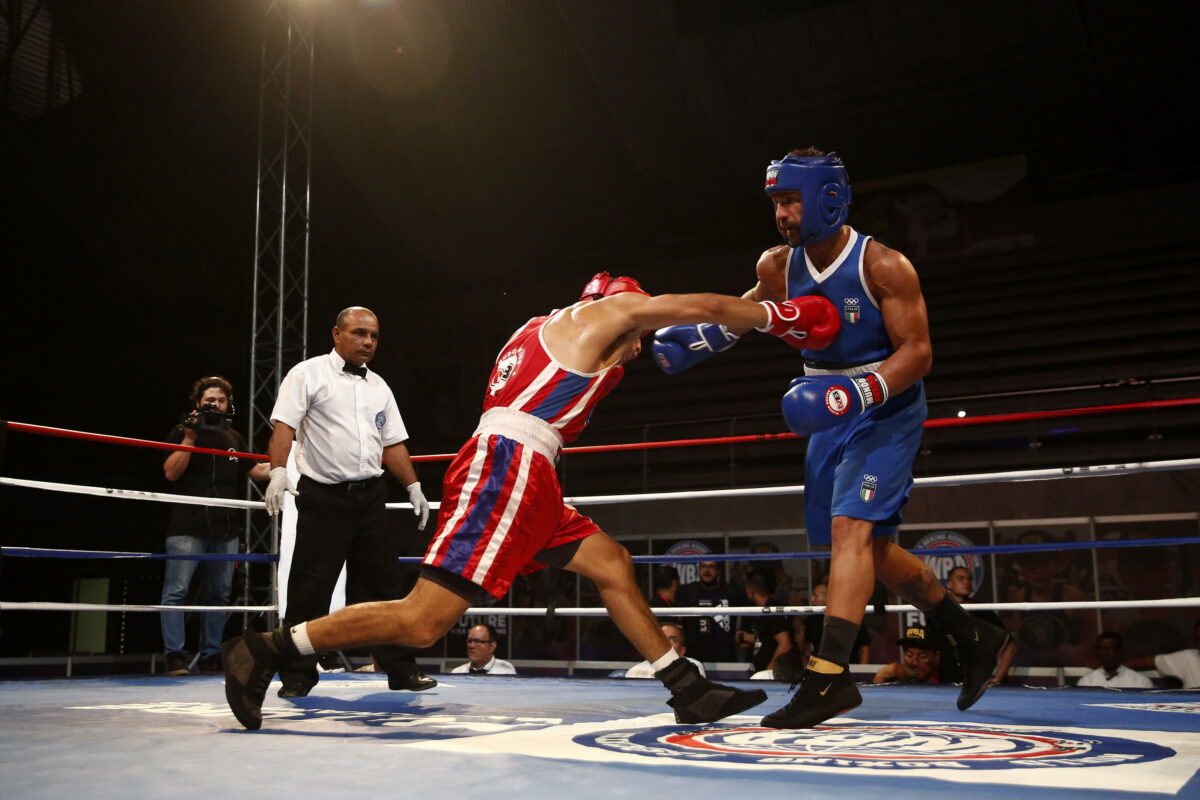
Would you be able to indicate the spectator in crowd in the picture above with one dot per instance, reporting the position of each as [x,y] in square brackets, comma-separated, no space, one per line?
[960,582]
[481,654]
[767,636]
[711,637]
[1181,665]
[920,659]
[545,635]
[666,587]
[789,668]
[1112,674]
[814,624]
[676,637]
[195,529]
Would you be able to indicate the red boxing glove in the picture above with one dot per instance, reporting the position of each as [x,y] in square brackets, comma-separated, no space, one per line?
[806,323]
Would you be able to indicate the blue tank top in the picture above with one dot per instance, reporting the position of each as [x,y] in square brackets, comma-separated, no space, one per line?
[863,338]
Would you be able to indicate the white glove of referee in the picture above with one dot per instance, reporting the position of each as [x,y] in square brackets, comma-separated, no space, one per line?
[419,503]
[275,489]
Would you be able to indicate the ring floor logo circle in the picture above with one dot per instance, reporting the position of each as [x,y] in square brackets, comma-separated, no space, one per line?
[881,746]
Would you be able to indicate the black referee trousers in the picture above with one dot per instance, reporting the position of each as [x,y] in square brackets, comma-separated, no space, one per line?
[343,523]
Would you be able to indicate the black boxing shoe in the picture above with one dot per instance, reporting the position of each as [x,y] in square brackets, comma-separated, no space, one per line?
[978,654]
[696,699]
[826,690]
[415,681]
[251,660]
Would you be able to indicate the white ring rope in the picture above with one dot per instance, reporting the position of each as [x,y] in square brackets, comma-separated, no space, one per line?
[687,611]
[134,494]
[38,606]
[1096,471]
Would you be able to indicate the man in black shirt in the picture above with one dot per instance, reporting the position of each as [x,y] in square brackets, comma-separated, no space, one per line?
[770,635]
[709,638]
[196,529]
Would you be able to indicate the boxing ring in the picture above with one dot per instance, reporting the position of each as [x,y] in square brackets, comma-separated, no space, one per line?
[160,736]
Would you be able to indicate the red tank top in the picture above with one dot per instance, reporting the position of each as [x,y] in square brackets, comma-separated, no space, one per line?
[527,378]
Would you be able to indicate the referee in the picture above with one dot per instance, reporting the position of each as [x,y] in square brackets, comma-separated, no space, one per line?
[347,428]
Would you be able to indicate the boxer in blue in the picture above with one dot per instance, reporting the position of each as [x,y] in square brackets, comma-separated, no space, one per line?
[861,402]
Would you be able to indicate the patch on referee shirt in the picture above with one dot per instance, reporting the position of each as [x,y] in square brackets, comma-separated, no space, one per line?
[380,419]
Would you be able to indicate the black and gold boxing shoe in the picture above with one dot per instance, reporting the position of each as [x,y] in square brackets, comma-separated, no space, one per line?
[978,651]
[826,690]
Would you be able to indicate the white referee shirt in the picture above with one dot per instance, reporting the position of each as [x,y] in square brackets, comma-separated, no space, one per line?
[342,421]
[497,666]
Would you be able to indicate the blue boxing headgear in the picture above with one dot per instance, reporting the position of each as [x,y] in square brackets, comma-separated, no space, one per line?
[824,189]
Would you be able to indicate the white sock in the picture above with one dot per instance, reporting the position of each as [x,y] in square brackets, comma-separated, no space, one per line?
[665,660]
[300,639]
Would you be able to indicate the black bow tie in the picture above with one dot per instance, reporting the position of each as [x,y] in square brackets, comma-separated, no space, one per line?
[359,371]
[478,671]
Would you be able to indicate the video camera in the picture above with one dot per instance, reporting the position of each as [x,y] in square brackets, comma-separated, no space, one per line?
[207,418]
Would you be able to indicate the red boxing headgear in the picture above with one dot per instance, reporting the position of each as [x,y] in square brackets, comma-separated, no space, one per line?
[605,285]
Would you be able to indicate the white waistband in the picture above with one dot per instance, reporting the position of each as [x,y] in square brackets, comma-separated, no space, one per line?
[521,427]
[849,372]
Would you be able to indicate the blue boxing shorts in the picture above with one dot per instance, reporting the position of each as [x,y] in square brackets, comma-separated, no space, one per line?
[863,469]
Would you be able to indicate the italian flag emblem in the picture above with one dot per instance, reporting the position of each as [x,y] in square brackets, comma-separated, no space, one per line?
[867,491]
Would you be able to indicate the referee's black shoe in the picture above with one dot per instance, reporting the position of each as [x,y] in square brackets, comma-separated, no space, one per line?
[415,681]
[978,654]
[251,660]
[696,699]
[826,690]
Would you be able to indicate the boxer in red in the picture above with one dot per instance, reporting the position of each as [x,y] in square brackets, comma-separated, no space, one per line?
[502,511]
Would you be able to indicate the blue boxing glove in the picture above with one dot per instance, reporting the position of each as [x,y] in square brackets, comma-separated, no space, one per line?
[680,346]
[815,403]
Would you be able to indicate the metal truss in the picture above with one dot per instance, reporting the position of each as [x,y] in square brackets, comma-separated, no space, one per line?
[36,71]
[280,315]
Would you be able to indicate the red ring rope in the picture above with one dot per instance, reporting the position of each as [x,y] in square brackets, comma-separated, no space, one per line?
[943,422]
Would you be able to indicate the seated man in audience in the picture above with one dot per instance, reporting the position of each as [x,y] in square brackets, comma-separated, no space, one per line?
[1182,665]
[481,654]
[666,587]
[1112,674]
[674,634]
[789,668]
[768,636]
[920,659]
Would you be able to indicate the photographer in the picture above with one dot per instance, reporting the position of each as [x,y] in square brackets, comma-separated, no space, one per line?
[203,529]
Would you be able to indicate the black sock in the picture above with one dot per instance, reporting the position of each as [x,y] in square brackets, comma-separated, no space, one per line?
[949,618]
[837,640]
